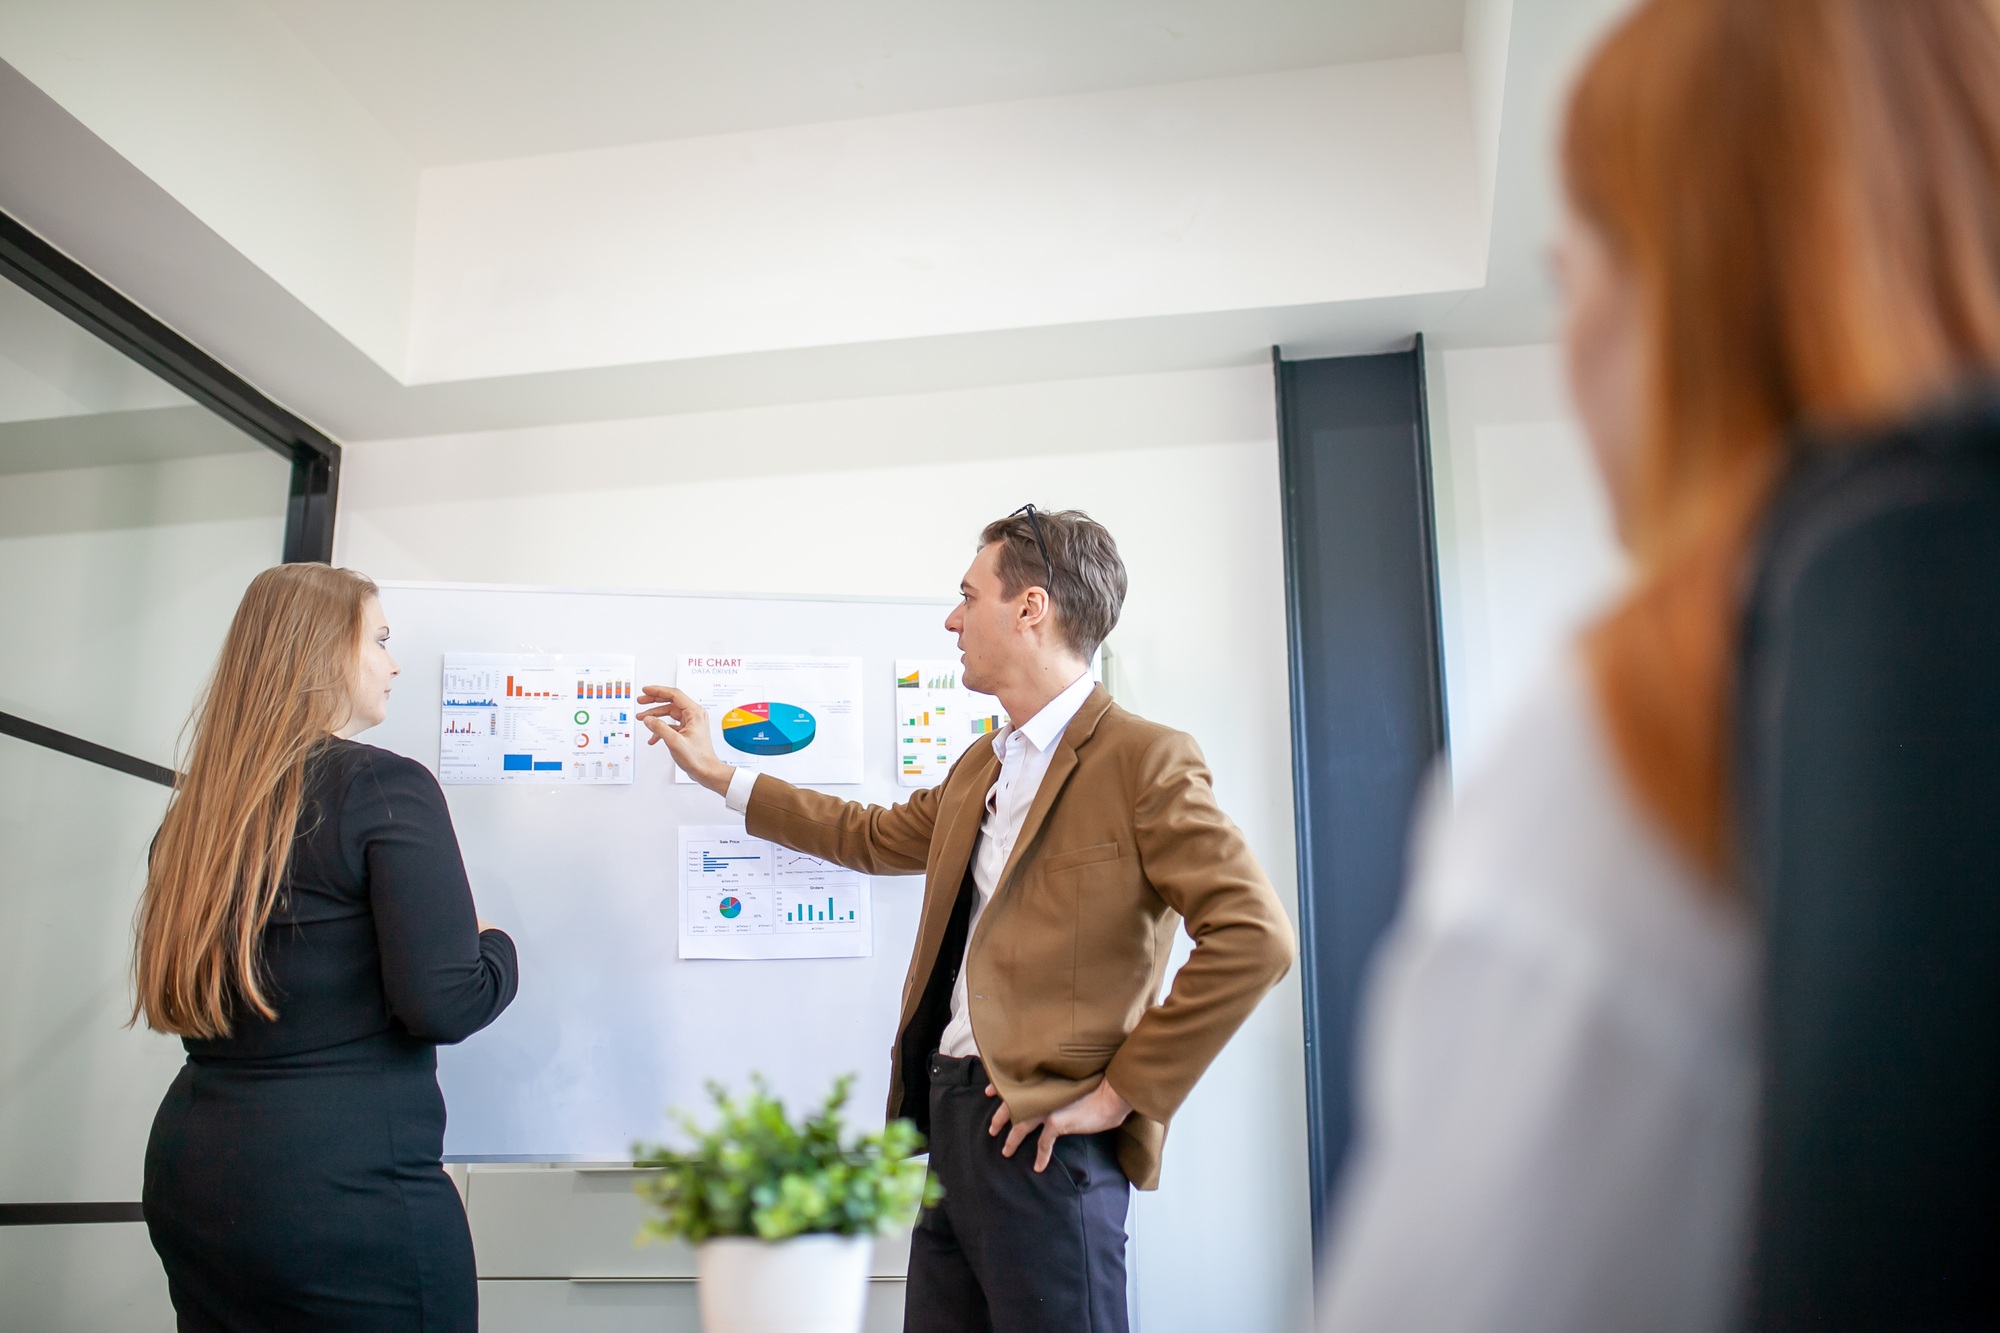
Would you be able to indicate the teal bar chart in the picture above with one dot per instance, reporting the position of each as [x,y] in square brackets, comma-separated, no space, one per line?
[822,904]
[807,912]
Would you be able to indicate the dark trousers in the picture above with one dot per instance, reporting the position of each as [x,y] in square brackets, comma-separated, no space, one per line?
[1010,1251]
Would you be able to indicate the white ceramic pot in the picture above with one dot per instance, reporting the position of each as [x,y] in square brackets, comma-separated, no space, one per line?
[808,1284]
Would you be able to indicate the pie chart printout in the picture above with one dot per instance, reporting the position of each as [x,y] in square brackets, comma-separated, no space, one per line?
[795,718]
[768,728]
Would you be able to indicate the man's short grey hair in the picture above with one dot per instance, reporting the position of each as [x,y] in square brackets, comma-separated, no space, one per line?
[1089,589]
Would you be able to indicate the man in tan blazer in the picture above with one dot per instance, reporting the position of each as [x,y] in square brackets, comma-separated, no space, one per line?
[1058,859]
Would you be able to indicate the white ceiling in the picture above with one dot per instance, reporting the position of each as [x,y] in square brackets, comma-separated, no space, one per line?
[474,80]
[225,203]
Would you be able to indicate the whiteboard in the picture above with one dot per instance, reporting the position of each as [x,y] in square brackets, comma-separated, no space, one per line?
[610,1028]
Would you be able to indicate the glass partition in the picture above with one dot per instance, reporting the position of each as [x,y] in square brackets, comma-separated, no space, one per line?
[131,518]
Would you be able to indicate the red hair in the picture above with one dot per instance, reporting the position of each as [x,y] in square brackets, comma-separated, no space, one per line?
[1807,195]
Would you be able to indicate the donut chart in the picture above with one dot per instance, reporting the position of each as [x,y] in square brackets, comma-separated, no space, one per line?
[768,728]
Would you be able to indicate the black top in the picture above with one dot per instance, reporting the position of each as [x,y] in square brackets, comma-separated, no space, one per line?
[1867,775]
[293,1175]
[374,935]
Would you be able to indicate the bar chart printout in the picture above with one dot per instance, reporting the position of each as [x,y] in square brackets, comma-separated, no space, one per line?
[536,718]
[937,719]
[744,898]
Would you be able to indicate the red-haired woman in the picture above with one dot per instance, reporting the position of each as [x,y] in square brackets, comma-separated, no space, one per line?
[1781,213]
[308,932]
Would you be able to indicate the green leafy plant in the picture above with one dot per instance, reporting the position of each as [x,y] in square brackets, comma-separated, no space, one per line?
[758,1174]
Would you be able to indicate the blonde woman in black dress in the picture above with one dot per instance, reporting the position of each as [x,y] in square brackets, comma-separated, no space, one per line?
[307,930]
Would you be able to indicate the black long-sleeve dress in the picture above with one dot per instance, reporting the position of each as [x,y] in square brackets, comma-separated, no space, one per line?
[294,1177]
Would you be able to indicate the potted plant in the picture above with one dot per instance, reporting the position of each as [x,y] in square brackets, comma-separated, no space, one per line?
[783,1216]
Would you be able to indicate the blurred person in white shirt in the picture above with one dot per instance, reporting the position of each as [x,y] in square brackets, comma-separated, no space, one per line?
[1780,214]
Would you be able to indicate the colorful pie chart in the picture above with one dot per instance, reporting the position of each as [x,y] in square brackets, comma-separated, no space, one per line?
[731,908]
[768,728]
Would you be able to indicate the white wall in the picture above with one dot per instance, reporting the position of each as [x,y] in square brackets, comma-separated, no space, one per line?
[1526,549]
[885,496]
[1335,184]
[1489,24]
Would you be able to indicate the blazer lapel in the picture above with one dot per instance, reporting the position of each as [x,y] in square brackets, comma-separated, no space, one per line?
[959,823]
[1061,764]
[958,829]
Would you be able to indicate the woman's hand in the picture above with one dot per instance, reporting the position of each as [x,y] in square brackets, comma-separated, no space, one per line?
[682,724]
[485,925]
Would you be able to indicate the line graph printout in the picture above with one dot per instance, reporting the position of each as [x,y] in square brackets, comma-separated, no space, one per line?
[796,718]
[536,718]
[743,897]
[937,719]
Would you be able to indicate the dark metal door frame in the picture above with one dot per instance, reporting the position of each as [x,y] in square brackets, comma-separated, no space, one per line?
[1367,682]
[75,292]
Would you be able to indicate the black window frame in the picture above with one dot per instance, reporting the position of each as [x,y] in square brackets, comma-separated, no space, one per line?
[73,291]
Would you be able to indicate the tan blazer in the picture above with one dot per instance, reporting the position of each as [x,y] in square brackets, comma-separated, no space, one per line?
[1124,840]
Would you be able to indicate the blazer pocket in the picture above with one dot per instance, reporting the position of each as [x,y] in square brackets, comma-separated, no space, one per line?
[1083,856]
[1087,1050]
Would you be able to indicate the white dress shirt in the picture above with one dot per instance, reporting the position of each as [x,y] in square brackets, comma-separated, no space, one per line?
[1558,1076]
[1025,750]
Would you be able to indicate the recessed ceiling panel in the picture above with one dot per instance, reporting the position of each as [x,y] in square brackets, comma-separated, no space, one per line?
[476,80]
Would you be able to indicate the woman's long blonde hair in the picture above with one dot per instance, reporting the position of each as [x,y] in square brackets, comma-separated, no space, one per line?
[282,684]
[1807,194]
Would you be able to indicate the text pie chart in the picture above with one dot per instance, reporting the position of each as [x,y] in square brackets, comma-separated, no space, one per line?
[768,728]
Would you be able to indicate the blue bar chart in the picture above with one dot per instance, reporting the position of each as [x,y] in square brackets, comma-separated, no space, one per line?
[544,718]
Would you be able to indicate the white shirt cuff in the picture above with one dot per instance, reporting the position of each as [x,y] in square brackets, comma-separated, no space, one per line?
[740,783]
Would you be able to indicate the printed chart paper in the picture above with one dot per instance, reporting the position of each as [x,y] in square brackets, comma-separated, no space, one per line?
[742,897]
[536,718]
[796,718]
[937,719]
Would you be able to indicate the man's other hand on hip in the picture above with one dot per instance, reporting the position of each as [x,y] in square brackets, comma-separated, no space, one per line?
[1093,1113]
